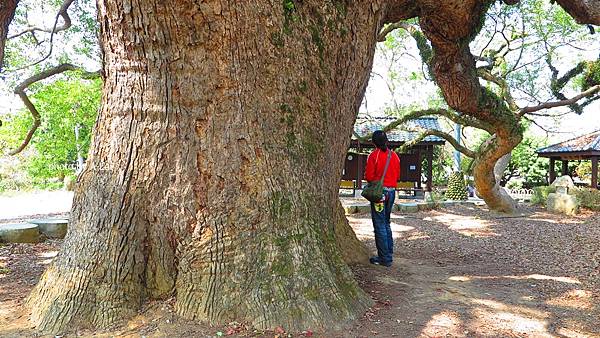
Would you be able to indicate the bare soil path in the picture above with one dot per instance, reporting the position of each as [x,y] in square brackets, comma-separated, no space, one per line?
[463,272]
[458,272]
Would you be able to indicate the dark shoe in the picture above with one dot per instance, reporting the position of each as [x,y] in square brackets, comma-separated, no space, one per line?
[375,261]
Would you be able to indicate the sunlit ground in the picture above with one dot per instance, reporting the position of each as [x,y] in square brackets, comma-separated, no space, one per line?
[464,225]
[464,272]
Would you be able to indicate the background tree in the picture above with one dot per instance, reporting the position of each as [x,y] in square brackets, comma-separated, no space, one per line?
[514,57]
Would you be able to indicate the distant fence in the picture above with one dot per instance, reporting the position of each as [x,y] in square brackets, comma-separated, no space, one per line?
[521,194]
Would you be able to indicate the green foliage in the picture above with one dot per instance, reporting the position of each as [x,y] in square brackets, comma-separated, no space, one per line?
[588,198]
[540,194]
[591,76]
[525,163]
[13,175]
[442,162]
[584,170]
[289,14]
[63,105]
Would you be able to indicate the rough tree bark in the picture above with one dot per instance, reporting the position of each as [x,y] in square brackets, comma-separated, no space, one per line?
[214,168]
[7,13]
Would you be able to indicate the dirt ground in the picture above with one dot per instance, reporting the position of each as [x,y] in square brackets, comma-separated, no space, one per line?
[458,272]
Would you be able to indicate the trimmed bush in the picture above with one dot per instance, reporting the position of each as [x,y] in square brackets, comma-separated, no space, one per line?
[457,189]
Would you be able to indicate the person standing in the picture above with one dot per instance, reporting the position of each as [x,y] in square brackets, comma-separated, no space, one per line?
[381,211]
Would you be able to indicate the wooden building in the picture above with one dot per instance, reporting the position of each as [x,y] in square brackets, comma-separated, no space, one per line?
[410,163]
[586,147]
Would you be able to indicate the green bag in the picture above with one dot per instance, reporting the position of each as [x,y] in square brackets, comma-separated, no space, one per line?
[374,190]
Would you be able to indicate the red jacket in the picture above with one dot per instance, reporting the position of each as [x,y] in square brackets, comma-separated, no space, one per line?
[375,165]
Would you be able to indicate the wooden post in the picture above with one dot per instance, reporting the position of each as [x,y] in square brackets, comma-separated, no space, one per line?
[552,172]
[429,167]
[595,172]
[419,183]
[565,167]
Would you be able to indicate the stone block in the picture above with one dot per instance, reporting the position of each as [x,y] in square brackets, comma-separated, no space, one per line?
[426,206]
[563,184]
[408,207]
[52,227]
[19,233]
[562,203]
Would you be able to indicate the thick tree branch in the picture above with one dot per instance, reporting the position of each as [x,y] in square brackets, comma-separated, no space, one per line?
[546,105]
[583,11]
[20,90]
[462,119]
[398,10]
[7,13]
[401,120]
[427,132]
[392,27]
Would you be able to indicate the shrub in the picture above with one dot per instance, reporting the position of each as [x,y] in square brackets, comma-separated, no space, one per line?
[540,194]
[588,198]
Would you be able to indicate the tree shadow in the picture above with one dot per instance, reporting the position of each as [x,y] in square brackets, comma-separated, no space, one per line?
[467,272]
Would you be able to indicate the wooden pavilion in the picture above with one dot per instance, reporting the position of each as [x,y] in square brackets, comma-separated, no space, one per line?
[410,163]
[586,147]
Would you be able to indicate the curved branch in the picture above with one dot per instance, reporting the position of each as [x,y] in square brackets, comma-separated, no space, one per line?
[62,12]
[20,90]
[427,132]
[392,27]
[413,115]
[397,10]
[504,87]
[401,120]
[546,105]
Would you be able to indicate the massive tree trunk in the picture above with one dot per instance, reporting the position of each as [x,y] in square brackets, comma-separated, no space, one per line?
[215,164]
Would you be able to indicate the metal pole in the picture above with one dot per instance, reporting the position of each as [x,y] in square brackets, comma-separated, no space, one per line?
[457,133]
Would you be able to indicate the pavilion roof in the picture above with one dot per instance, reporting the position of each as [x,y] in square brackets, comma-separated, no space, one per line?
[585,143]
[365,126]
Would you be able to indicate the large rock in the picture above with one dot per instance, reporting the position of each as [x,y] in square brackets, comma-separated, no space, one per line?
[562,203]
[52,227]
[19,233]
[563,184]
